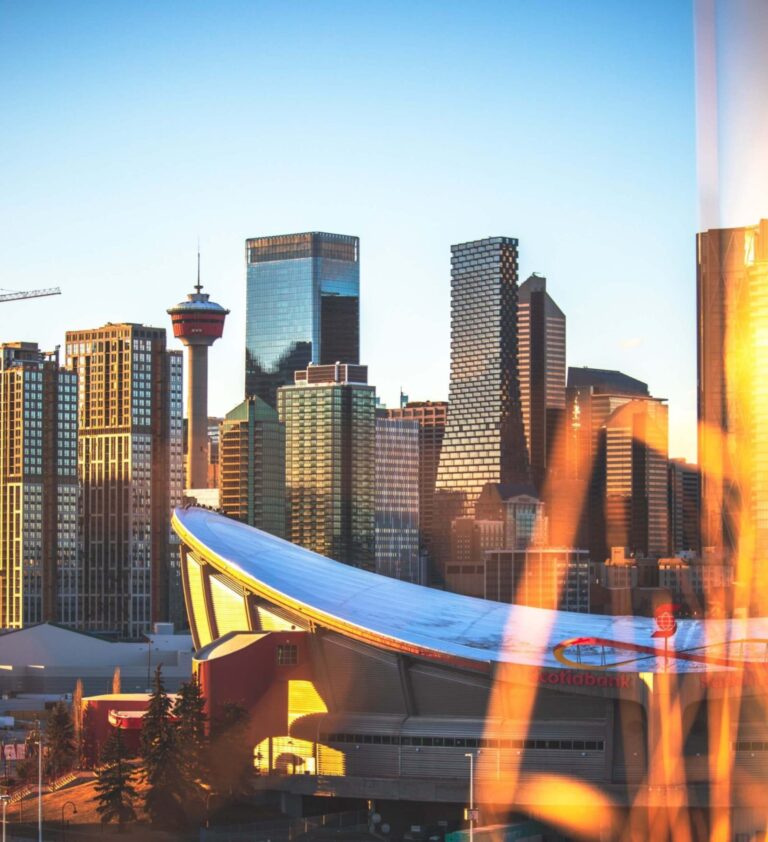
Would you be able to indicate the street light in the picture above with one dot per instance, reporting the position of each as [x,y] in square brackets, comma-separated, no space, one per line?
[5,799]
[471,795]
[149,662]
[39,783]
[63,807]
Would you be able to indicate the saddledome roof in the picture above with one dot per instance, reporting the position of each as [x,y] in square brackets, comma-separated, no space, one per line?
[451,627]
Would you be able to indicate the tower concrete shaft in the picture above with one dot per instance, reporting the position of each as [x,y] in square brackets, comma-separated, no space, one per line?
[197,415]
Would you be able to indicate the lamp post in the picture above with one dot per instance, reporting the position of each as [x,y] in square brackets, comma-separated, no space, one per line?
[5,799]
[149,662]
[63,806]
[471,795]
[39,783]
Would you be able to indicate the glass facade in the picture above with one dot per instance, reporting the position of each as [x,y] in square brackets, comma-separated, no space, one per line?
[302,307]
[484,438]
[684,506]
[329,463]
[252,466]
[176,611]
[634,439]
[592,395]
[39,551]
[732,305]
[541,354]
[130,467]
[541,578]
[431,416]
[397,498]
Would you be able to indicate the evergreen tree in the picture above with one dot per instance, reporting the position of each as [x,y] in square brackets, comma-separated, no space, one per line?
[116,682]
[114,783]
[191,719]
[77,720]
[232,749]
[62,748]
[159,751]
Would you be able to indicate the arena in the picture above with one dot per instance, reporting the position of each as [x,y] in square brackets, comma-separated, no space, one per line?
[365,687]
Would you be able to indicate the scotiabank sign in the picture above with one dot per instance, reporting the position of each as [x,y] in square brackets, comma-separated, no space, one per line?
[748,676]
[566,678]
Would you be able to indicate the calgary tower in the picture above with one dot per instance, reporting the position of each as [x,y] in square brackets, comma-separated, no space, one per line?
[198,322]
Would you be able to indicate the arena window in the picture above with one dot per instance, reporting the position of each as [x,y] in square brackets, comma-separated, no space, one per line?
[287,654]
[492,745]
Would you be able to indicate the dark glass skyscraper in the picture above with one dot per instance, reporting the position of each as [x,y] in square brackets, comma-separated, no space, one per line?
[484,438]
[541,362]
[302,307]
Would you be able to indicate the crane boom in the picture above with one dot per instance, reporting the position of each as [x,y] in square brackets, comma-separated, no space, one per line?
[32,293]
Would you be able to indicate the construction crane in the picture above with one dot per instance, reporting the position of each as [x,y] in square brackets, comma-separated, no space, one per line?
[7,295]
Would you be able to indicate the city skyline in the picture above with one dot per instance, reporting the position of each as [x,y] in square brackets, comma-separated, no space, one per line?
[568,166]
[465,532]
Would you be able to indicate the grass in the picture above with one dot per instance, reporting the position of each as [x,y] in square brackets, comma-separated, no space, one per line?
[85,824]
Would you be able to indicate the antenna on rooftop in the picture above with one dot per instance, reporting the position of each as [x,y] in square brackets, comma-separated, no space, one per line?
[198,285]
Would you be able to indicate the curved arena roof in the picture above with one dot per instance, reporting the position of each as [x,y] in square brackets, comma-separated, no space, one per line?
[445,626]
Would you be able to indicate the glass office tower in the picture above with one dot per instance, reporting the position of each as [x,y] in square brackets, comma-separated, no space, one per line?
[484,438]
[397,497]
[302,307]
[541,354]
[592,395]
[252,466]
[431,416]
[732,278]
[330,440]
[634,440]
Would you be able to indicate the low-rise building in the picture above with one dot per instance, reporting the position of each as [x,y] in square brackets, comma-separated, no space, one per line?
[48,658]
[542,577]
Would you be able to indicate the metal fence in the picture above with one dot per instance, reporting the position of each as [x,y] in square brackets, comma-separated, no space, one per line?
[284,830]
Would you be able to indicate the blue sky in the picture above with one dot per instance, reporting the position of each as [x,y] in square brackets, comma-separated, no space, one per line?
[127,130]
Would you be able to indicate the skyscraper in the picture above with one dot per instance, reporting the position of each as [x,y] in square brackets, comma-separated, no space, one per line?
[397,497]
[541,332]
[214,432]
[211,455]
[431,416]
[592,395]
[302,307]
[635,442]
[732,278]
[130,467]
[684,517]
[484,437]
[252,466]
[198,322]
[329,416]
[39,552]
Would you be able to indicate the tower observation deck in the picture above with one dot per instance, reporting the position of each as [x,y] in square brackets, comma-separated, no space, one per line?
[198,322]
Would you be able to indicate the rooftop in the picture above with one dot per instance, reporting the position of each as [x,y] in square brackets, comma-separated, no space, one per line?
[444,626]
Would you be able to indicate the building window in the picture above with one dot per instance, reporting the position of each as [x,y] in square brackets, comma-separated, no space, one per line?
[287,654]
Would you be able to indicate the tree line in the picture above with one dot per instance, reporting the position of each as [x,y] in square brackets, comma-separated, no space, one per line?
[182,761]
